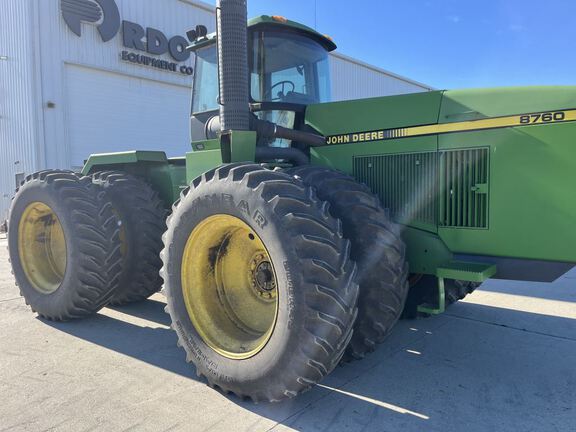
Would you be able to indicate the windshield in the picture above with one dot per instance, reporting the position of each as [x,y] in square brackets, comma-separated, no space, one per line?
[206,91]
[288,67]
[285,67]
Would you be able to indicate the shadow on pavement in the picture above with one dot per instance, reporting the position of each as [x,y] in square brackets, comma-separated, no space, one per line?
[562,290]
[150,310]
[441,373]
[155,346]
[541,324]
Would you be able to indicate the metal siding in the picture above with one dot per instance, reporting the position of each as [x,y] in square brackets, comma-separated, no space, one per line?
[61,47]
[354,80]
[148,114]
[18,106]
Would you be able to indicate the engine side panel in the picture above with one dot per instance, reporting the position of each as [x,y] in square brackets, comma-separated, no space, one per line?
[492,172]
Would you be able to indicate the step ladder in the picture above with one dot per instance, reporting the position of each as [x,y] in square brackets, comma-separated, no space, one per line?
[458,270]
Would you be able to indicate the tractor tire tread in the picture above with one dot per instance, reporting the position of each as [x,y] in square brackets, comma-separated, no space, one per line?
[143,217]
[383,284]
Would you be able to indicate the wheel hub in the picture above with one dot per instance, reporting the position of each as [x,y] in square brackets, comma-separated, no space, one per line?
[262,278]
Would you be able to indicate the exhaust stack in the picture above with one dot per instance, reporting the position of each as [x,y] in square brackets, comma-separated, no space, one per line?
[231,17]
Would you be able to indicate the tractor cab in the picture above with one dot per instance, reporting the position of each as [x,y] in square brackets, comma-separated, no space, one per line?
[289,70]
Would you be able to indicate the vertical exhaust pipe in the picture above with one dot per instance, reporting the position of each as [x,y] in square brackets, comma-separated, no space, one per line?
[232,17]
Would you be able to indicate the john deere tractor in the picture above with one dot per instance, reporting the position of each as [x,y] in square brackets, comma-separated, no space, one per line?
[292,234]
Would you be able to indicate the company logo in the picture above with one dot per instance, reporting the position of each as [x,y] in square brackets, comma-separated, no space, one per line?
[75,12]
[105,14]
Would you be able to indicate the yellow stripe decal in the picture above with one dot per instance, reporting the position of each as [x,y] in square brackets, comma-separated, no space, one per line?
[465,126]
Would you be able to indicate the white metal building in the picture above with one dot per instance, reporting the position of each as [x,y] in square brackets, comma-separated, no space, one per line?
[76,78]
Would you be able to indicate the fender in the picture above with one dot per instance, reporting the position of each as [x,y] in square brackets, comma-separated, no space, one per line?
[166,176]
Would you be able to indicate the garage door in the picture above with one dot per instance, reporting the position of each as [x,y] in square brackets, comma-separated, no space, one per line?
[110,112]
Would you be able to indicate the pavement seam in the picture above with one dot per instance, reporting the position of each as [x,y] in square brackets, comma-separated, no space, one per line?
[12,299]
[512,327]
[330,393]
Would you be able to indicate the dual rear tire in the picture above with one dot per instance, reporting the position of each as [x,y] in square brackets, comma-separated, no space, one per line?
[64,245]
[77,243]
[142,219]
[424,290]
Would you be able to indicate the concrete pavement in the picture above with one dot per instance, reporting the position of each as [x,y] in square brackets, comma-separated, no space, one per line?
[504,360]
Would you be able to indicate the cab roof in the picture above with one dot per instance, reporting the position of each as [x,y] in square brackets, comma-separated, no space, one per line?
[265,21]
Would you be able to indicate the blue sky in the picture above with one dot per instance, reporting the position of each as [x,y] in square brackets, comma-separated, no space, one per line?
[448,43]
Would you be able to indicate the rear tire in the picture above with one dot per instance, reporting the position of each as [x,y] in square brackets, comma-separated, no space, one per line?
[314,291]
[64,245]
[377,249]
[457,290]
[143,221]
[425,290]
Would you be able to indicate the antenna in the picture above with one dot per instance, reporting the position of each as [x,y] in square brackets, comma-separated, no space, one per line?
[316,15]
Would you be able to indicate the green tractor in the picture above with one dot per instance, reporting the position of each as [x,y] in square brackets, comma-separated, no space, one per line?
[293,233]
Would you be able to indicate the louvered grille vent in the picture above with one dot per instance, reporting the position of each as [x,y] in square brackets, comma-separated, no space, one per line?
[449,188]
[406,184]
[464,188]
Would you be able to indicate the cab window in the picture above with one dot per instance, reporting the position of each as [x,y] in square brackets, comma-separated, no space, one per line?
[288,67]
[206,90]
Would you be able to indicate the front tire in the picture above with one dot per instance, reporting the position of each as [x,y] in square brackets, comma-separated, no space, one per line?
[258,281]
[377,249]
[64,245]
[424,290]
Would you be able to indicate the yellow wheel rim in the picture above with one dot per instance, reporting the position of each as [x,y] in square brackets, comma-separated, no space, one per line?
[42,247]
[229,287]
